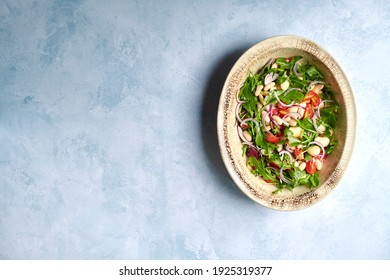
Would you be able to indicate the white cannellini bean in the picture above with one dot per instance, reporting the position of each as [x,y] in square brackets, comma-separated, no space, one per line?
[322,128]
[323,140]
[259,106]
[302,166]
[258,90]
[297,131]
[292,122]
[301,112]
[278,120]
[318,164]
[280,147]
[296,164]
[269,86]
[261,98]
[314,150]
[293,109]
[284,85]
[317,88]
[287,119]
[247,136]
[265,116]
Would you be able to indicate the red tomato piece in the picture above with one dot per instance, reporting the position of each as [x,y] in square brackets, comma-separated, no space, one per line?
[309,112]
[311,166]
[298,153]
[280,106]
[314,98]
[283,112]
[272,138]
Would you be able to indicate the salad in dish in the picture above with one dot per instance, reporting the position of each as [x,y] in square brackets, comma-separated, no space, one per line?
[286,115]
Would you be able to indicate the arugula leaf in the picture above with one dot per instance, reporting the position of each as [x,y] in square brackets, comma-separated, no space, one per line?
[313,73]
[328,117]
[282,77]
[283,63]
[292,95]
[306,124]
[260,169]
[293,61]
[299,177]
[330,148]
[246,94]
[296,82]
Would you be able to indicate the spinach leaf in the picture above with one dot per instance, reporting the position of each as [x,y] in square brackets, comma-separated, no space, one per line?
[292,95]
[314,181]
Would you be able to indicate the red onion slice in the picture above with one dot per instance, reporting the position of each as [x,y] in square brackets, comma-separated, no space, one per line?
[240,133]
[269,62]
[319,106]
[238,92]
[286,153]
[264,125]
[252,120]
[315,83]
[291,89]
[290,114]
[270,77]
[314,119]
[237,111]
[283,178]
[295,68]
[282,103]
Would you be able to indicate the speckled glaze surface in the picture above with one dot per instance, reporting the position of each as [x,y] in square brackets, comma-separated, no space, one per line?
[231,148]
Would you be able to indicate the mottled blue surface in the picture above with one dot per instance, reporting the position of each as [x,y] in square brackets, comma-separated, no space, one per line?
[108,146]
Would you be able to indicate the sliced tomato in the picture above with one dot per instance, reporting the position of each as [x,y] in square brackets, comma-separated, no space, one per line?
[275,111]
[280,106]
[313,98]
[309,112]
[298,153]
[244,126]
[272,138]
[311,166]
[283,112]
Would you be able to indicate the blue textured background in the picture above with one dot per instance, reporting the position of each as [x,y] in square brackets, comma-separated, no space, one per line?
[108,146]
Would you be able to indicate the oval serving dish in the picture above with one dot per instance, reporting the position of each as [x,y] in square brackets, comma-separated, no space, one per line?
[231,147]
